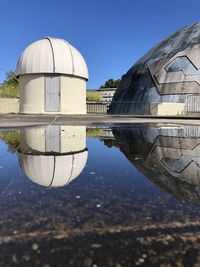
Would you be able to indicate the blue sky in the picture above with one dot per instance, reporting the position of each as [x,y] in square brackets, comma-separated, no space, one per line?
[111,34]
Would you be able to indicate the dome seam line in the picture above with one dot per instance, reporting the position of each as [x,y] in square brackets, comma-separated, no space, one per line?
[70,176]
[73,70]
[54,67]
[54,169]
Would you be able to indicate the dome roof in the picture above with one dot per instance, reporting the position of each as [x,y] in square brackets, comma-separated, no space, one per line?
[53,170]
[52,55]
[168,73]
[168,156]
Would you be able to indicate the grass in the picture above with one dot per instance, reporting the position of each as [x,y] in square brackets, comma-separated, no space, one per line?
[9,91]
[11,138]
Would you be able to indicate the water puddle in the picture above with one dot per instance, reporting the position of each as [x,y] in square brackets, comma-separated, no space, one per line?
[124,195]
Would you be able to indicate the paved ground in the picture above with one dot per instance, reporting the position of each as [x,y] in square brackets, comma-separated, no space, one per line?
[19,120]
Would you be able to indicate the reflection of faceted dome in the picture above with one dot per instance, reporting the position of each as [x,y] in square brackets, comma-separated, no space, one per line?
[52,55]
[168,74]
[168,156]
[53,170]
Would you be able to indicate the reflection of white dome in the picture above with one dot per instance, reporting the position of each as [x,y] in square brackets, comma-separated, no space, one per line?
[53,170]
[52,55]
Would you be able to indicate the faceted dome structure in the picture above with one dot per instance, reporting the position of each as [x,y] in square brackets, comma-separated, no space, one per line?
[166,80]
[168,156]
[52,55]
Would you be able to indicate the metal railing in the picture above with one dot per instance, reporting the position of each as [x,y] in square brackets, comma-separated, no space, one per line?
[119,107]
[97,107]
[137,108]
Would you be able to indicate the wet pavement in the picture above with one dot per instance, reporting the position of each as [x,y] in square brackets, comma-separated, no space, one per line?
[26,120]
[119,196]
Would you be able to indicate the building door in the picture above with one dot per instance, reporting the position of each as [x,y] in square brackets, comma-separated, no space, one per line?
[52,139]
[52,93]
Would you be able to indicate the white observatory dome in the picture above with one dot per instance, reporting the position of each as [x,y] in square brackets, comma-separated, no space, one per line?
[53,170]
[52,55]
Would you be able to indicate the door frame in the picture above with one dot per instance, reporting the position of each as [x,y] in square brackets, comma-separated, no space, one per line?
[45,92]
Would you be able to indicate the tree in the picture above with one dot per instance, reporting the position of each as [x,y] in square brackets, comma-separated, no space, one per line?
[11,138]
[109,142]
[10,87]
[11,78]
[111,83]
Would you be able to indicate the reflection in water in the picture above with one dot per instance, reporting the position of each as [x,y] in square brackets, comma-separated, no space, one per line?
[168,155]
[111,204]
[53,156]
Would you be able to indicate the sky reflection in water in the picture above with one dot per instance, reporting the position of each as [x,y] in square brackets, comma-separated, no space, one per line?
[59,183]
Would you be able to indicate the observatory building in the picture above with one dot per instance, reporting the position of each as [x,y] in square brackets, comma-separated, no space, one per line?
[166,80]
[168,156]
[53,156]
[52,78]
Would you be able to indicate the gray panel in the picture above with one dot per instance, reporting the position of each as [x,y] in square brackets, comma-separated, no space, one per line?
[52,93]
[193,103]
[52,139]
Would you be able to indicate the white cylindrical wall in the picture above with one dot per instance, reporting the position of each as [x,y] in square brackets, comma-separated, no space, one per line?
[71,139]
[32,94]
[73,95]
